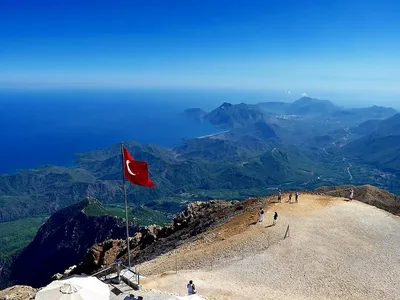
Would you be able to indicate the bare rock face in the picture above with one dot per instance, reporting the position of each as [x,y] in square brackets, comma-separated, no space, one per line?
[62,241]
[18,292]
[154,240]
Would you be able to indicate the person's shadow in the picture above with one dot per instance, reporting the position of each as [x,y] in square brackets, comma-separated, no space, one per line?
[272,225]
[253,223]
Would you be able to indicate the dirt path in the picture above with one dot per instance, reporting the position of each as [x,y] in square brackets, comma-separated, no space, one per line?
[336,250]
[348,171]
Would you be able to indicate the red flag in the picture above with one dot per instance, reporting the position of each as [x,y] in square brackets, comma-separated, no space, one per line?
[135,171]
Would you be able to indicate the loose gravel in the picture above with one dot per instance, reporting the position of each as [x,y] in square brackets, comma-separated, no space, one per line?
[335,250]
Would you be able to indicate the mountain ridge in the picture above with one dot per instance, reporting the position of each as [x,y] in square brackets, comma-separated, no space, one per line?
[312,106]
[379,147]
[63,240]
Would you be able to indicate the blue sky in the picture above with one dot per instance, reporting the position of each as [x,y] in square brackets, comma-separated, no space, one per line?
[317,47]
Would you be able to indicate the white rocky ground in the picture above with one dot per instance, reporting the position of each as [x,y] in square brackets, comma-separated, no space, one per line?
[336,250]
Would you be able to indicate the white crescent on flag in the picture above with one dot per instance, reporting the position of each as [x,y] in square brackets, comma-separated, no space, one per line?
[129,170]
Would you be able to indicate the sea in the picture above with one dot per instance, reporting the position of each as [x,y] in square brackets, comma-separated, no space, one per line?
[49,126]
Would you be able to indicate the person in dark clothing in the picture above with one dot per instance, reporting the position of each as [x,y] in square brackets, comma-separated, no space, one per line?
[275,218]
[290,197]
[191,288]
[297,197]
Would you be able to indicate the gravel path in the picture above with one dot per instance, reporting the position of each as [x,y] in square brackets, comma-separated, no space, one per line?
[336,250]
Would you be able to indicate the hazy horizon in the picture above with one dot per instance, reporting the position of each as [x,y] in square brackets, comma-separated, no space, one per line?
[337,50]
[212,97]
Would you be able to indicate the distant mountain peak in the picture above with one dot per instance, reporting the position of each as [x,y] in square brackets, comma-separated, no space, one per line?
[309,100]
[311,106]
[226,105]
[305,98]
[235,116]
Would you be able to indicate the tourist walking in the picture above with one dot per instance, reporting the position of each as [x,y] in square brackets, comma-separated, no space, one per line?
[297,197]
[261,215]
[279,197]
[191,288]
[290,197]
[275,218]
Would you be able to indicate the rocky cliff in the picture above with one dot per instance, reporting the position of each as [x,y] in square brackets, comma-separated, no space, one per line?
[152,241]
[63,240]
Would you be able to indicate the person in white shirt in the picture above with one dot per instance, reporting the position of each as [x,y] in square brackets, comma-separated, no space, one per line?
[351,194]
[261,215]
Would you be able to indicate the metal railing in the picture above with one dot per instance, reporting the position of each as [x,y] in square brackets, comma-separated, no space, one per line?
[115,267]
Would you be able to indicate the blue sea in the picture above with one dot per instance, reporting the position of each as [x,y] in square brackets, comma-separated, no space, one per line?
[42,127]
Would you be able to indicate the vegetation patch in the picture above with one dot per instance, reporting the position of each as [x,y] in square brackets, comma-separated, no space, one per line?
[16,235]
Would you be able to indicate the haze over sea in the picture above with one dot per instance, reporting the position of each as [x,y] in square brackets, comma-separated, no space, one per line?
[41,127]
[49,127]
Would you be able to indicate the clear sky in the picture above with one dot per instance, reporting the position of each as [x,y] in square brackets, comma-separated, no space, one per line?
[342,46]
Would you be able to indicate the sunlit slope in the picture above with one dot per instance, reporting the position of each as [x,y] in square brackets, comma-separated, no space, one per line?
[336,250]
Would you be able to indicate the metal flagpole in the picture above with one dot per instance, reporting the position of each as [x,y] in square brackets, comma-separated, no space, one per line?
[126,206]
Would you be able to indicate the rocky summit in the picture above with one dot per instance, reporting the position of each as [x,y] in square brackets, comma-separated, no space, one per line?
[212,241]
[152,241]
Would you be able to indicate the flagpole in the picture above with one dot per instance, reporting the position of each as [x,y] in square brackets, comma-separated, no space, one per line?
[126,207]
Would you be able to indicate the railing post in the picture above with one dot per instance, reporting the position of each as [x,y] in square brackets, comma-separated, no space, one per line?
[176,262]
[119,270]
[286,233]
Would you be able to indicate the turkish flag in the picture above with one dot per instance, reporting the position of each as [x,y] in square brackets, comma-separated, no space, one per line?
[135,171]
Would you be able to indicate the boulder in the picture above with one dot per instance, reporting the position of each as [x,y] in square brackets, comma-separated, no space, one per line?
[18,292]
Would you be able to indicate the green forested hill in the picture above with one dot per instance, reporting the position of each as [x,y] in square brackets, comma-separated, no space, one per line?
[220,165]
[248,160]
[380,147]
[15,235]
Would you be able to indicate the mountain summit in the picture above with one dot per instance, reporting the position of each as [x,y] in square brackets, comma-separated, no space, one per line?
[231,116]
[311,106]
[224,248]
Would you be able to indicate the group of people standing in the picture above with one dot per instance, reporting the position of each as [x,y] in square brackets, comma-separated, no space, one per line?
[191,287]
[290,197]
[261,216]
[261,212]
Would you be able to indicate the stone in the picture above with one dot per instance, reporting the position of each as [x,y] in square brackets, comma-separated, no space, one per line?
[18,292]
